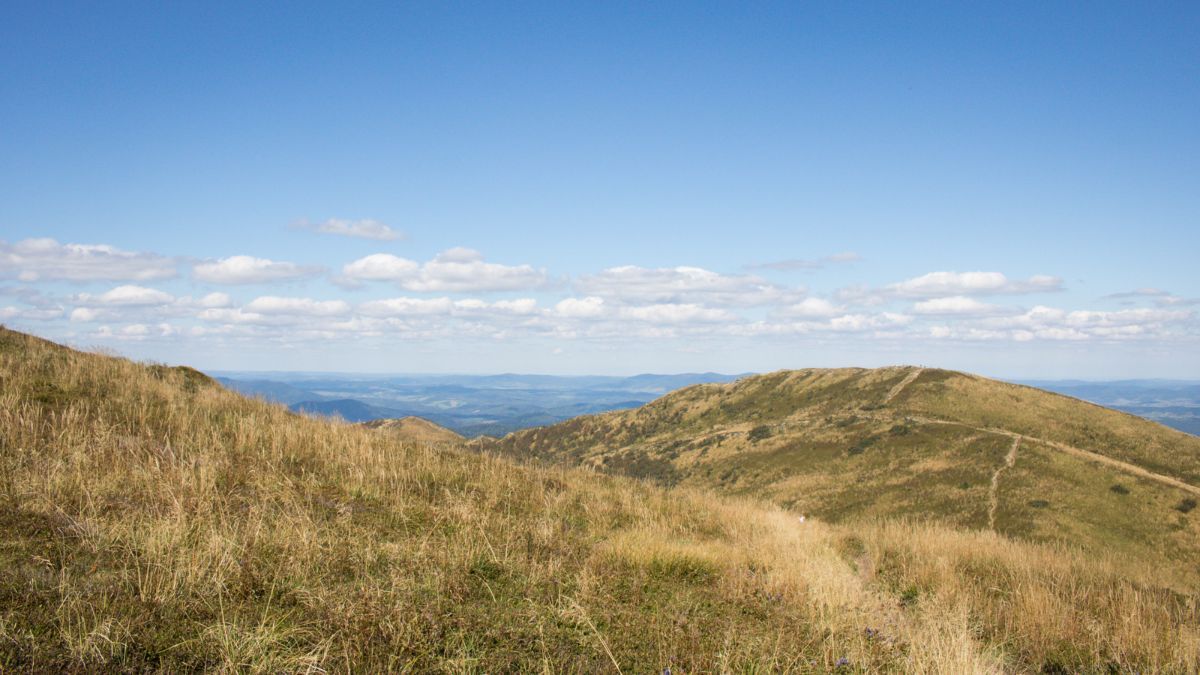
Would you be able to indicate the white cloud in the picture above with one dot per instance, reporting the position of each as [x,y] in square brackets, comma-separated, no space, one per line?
[215,300]
[676,313]
[812,308]
[406,307]
[630,284]
[957,305]
[469,307]
[381,267]
[362,229]
[861,322]
[580,308]
[270,305]
[136,332]
[462,269]
[244,269]
[1042,316]
[1050,323]
[451,271]
[971,283]
[520,306]
[129,296]
[33,313]
[85,314]
[47,260]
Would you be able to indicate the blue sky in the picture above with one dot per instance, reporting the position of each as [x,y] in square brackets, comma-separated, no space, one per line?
[611,188]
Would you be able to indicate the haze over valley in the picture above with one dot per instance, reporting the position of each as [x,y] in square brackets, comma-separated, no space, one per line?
[497,404]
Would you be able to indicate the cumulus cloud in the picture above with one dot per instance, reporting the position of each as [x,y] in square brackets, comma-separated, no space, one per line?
[128,296]
[861,322]
[215,300]
[406,307]
[417,307]
[580,308]
[1042,316]
[630,284]
[136,332]
[676,313]
[30,313]
[812,308]
[47,260]
[272,305]
[362,229]
[1051,323]
[244,269]
[518,307]
[957,305]
[381,267]
[85,314]
[455,270]
[971,283]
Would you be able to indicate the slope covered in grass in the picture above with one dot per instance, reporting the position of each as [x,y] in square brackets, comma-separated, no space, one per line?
[963,450]
[416,429]
[150,520]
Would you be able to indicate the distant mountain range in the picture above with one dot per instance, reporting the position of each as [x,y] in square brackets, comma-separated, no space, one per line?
[1175,403]
[495,405]
[471,405]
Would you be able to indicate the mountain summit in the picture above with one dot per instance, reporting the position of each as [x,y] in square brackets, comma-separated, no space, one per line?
[417,429]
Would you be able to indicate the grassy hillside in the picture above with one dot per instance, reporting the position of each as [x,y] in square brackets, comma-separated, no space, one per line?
[151,520]
[963,450]
[415,429]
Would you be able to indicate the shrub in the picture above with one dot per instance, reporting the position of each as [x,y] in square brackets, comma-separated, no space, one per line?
[1186,505]
[758,433]
[1119,489]
[862,445]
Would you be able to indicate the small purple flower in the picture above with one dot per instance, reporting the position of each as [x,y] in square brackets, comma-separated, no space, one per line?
[842,663]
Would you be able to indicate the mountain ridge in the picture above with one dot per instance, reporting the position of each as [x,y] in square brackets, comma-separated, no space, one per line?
[922,442]
[151,520]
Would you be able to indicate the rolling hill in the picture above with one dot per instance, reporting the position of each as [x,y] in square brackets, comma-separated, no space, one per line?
[151,520]
[925,443]
[415,429]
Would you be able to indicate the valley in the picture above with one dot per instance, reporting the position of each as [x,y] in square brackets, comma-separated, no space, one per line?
[471,405]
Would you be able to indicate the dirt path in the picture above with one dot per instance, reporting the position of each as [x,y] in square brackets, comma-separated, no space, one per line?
[1078,452]
[993,493]
[1124,466]
[902,384]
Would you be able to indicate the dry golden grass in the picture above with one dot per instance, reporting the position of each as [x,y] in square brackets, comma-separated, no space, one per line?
[416,429]
[150,520]
[921,442]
